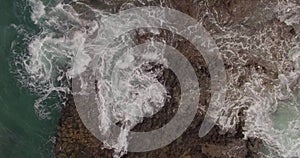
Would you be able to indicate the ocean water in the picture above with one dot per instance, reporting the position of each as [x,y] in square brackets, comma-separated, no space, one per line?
[22,132]
[45,43]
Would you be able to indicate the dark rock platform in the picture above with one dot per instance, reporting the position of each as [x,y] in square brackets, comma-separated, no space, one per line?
[75,141]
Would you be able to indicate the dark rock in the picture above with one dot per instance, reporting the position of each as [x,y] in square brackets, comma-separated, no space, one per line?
[74,140]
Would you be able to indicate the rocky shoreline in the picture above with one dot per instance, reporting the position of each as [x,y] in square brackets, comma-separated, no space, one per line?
[75,141]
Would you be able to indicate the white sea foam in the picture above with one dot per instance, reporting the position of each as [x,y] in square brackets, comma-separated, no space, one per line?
[64,49]
[274,116]
[38,10]
[289,12]
[267,64]
[68,43]
[51,52]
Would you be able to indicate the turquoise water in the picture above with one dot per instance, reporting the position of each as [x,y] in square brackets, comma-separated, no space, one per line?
[22,133]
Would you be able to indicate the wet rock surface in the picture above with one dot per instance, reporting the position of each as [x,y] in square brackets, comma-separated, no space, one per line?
[74,140]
